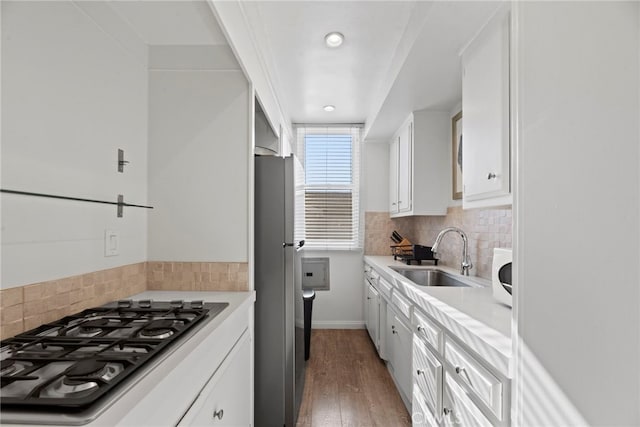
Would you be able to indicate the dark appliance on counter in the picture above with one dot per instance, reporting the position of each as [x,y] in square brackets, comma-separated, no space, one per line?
[279,324]
[406,251]
[67,370]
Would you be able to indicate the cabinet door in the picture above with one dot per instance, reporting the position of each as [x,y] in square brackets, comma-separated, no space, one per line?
[383,350]
[405,163]
[390,335]
[367,321]
[427,374]
[458,409]
[485,109]
[402,356]
[421,415]
[373,315]
[393,176]
[226,399]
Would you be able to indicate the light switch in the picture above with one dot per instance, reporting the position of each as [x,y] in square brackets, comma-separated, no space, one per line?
[111,243]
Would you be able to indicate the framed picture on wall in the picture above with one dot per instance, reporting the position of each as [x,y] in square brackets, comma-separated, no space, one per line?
[456,155]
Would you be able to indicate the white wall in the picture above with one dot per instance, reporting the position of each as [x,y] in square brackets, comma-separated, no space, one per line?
[72,95]
[199,147]
[342,306]
[577,213]
[375,176]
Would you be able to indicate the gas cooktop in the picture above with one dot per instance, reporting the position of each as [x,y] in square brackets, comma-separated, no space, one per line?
[71,364]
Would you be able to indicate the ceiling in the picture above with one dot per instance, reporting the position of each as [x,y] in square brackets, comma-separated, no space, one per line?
[307,74]
[397,57]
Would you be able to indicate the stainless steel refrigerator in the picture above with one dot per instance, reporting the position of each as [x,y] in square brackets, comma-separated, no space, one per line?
[279,346]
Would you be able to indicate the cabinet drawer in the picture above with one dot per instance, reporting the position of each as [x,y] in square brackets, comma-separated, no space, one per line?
[385,287]
[427,374]
[459,409]
[402,304]
[427,330]
[421,415]
[372,277]
[483,383]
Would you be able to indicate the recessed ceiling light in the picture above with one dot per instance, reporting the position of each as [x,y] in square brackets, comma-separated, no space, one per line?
[329,108]
[333,39]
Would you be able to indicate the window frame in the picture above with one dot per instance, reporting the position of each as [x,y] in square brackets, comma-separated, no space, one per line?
[355,242]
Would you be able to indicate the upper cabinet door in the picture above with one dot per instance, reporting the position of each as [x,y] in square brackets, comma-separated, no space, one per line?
[419,168]
[485,108]
[405,164]
[393,176]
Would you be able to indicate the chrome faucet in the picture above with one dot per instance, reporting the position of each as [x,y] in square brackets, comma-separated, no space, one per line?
[465,265]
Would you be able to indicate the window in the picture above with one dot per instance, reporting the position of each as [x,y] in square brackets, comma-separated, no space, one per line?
[327,187]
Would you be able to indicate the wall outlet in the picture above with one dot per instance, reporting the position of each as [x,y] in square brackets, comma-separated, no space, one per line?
[111,243]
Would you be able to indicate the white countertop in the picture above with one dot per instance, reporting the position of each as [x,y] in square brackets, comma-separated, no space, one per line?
[179,374]
[188,368]
[471,314]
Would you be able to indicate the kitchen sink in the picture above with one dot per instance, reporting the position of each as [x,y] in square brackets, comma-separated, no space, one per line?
[430,277]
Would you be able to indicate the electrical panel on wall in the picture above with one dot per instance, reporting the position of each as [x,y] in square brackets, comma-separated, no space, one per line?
[315,274]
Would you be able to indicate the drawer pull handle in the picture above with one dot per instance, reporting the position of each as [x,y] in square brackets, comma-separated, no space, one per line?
[491,175]
[420,372]
[447,411]
[420,328]
[460,370]
[218,414]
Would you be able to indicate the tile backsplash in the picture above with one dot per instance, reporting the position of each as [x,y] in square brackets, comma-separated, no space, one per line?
[26,307]
[198,276]
[486,229]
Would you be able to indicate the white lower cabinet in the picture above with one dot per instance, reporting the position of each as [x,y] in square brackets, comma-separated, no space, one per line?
[441,379]
[454,385]
[421,414]
[399,342]
[224,400]
[375,309]
[427,374]
[373,315]
[458,409]
[486,386]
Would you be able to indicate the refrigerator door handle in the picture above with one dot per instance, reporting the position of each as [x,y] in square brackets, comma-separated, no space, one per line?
[300,244]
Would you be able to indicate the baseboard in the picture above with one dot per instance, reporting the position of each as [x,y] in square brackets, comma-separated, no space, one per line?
[337,324]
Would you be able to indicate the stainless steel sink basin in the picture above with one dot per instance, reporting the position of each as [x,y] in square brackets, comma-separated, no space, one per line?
[430,277]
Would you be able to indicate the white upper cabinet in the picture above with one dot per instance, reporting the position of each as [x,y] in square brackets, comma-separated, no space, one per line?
[419,156]
[486,171]
[393,176]
[405,166]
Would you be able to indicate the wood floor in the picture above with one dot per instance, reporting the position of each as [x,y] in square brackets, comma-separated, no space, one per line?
[346,384]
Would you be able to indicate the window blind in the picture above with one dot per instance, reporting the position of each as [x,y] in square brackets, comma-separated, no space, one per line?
[328,187]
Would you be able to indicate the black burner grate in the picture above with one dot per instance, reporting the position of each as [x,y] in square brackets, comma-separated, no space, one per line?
[77,360]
